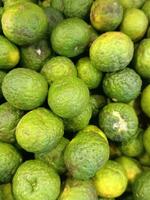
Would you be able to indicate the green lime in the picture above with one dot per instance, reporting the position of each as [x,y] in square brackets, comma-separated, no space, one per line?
[39,130]
[122,86]
[78,190]
[111,51]
[9,56]
[97,102]
[133,147]
[24,88]
[10,117]
[58,67]
[35,55]
[10,160]
[55,157]
[57,4]
[141,59]
[134,24]
[132,3]
[70,37]
[2,75]
[78,122]
[68,97]
[141,186]
[131,166]
[8,3]
[36,180]
[88,73]
[146,9]
[78,8]
[118,121]
[145,100]
[24,23]
[85,154]
[111,180]
[106,15]
[6,190]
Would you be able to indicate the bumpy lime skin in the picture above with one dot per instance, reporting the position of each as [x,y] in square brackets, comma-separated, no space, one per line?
[8,3]
[106,15]
[34,56]
[122,86]
[145,100]
[79,122]
[70,37]
[9,56]
[39,130]
[141,186]
[78,8]
[24,89]
[57,68]
[10,159]
[55,157]
[132,3]
[118,121]
[58,4]
[10,117]
[36,180]
[76,189]
[68,97]
[81,166]
[2,75]
[112,51]
[28,23]
[141,59]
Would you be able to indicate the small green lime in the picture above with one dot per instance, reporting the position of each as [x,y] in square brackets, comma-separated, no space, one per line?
[57,4]
[88,73]
[39,130]
[36,180]
[24,88]
[132,3]
[68,97]
[145,100]
[57,68]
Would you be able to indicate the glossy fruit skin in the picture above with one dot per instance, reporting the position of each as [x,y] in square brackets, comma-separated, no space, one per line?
[111,51]
[24,88]
[28,23]
[106,15]
[107,178]
[77,189]
[36,174]
[81,166]
[134,24]
[68,97]
[122,86]
[2,75]
[40,123]
[10,159]
[70,37]
[145,100]
[10,55]
[35,55]
[78,8]
[118,121]
[57,68]
[141,186]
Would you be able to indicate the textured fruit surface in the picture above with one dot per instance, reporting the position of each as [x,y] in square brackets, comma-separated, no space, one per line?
[111,180]
[106,15]
[97,102]
[122,86]
[70,37]
[2,75]
[146,9]
[36,180]
[39,130]
[111,51]
[118,121]
[145,100]
[28,23]
[132,3]
[57,68]
[81,166]
[68,97]
[24,89]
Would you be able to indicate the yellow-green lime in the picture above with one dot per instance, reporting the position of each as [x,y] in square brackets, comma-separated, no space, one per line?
[146,9]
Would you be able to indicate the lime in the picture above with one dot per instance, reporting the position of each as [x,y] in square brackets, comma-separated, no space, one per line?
[145,100]
[39,130]
[58,67]
[106,15]
[24,88]
[57,4]
[36,180]
[111,51]
[111,180]
[146,9]
[68,97]
[132,3]
[122,86]
[88,73]
[118,121]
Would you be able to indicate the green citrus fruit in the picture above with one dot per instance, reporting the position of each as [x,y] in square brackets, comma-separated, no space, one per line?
[146,9]
[132,3]
[57,4]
